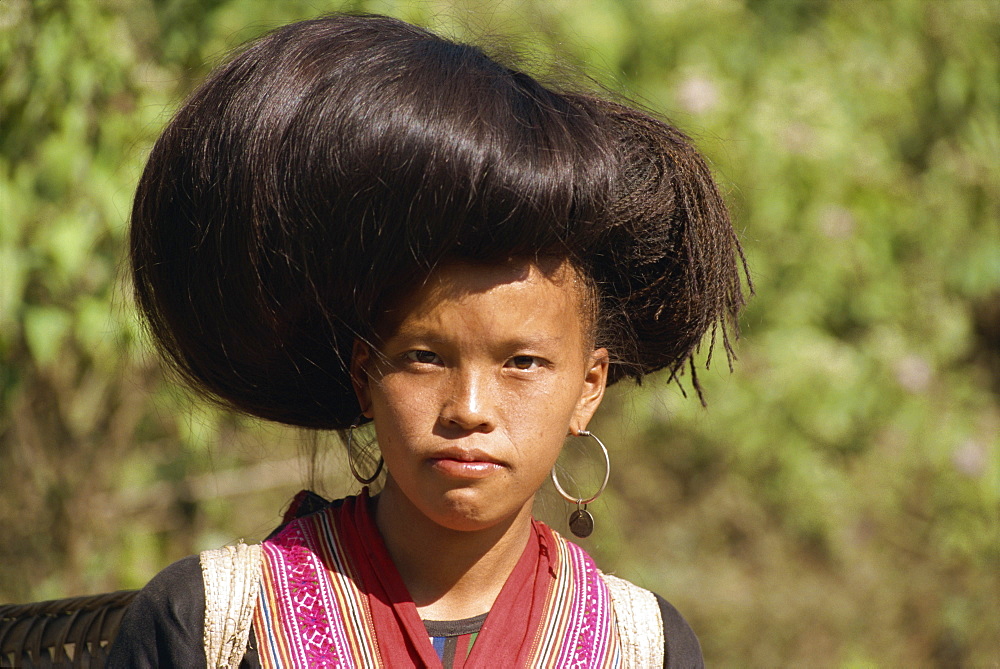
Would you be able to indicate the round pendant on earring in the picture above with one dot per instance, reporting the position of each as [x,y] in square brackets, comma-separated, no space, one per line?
[581,523]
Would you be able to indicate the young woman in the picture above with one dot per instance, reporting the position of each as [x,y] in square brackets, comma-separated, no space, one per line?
[357,221]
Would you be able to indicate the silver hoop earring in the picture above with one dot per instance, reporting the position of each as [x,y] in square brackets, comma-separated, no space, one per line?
[350,456]
[581,523]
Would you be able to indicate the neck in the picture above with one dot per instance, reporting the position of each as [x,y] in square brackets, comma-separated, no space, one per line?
[450,574]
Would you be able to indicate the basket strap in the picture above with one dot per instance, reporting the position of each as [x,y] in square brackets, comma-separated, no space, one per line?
[232,585]
[640,626]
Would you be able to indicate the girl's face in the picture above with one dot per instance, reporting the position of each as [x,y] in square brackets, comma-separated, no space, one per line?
[483,372]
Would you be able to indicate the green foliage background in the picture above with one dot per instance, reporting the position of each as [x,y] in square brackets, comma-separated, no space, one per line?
[836,505]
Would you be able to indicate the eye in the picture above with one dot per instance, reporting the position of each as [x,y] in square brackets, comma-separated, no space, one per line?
[524,362]
[423,357]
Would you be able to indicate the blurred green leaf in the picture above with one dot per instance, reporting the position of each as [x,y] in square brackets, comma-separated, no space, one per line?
[45,331]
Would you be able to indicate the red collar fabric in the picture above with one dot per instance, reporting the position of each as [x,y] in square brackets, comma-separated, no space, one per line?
[331,596]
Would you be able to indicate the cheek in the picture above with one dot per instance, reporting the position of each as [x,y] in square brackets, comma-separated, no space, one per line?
[541,420]
[405,408]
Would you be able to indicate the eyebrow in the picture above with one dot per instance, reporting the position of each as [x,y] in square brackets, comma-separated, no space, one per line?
[530,341]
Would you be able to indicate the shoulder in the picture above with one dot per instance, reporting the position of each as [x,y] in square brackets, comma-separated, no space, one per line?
[682,646]
[164,624]
[645,618]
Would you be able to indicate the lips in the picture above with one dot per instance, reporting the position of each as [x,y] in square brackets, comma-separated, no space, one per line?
[468,463]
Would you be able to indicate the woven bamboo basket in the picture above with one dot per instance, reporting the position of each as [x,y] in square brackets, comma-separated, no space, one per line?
[73,632]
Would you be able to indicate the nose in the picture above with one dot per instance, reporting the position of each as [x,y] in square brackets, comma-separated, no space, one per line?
[469,405]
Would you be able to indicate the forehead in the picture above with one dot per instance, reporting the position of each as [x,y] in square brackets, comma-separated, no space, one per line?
[521,292]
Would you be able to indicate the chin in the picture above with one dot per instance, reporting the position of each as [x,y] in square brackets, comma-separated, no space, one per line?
[461,511]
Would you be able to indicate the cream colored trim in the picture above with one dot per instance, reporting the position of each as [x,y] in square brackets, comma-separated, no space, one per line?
[640,626]
[232,584]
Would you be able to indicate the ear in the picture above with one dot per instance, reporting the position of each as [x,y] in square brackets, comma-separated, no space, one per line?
[594,383]
[361,354]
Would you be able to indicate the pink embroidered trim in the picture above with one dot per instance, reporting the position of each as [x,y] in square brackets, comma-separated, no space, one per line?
[589,637]
[312,636]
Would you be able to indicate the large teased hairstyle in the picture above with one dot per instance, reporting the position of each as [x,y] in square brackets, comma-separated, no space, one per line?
[334,162]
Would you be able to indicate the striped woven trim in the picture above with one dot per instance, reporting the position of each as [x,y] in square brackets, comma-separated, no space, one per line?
[578,626]
[310,616]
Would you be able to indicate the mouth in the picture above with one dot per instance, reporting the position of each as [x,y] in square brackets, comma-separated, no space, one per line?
[465,463]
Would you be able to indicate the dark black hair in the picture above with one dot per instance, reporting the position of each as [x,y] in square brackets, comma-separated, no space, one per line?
[334,162]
